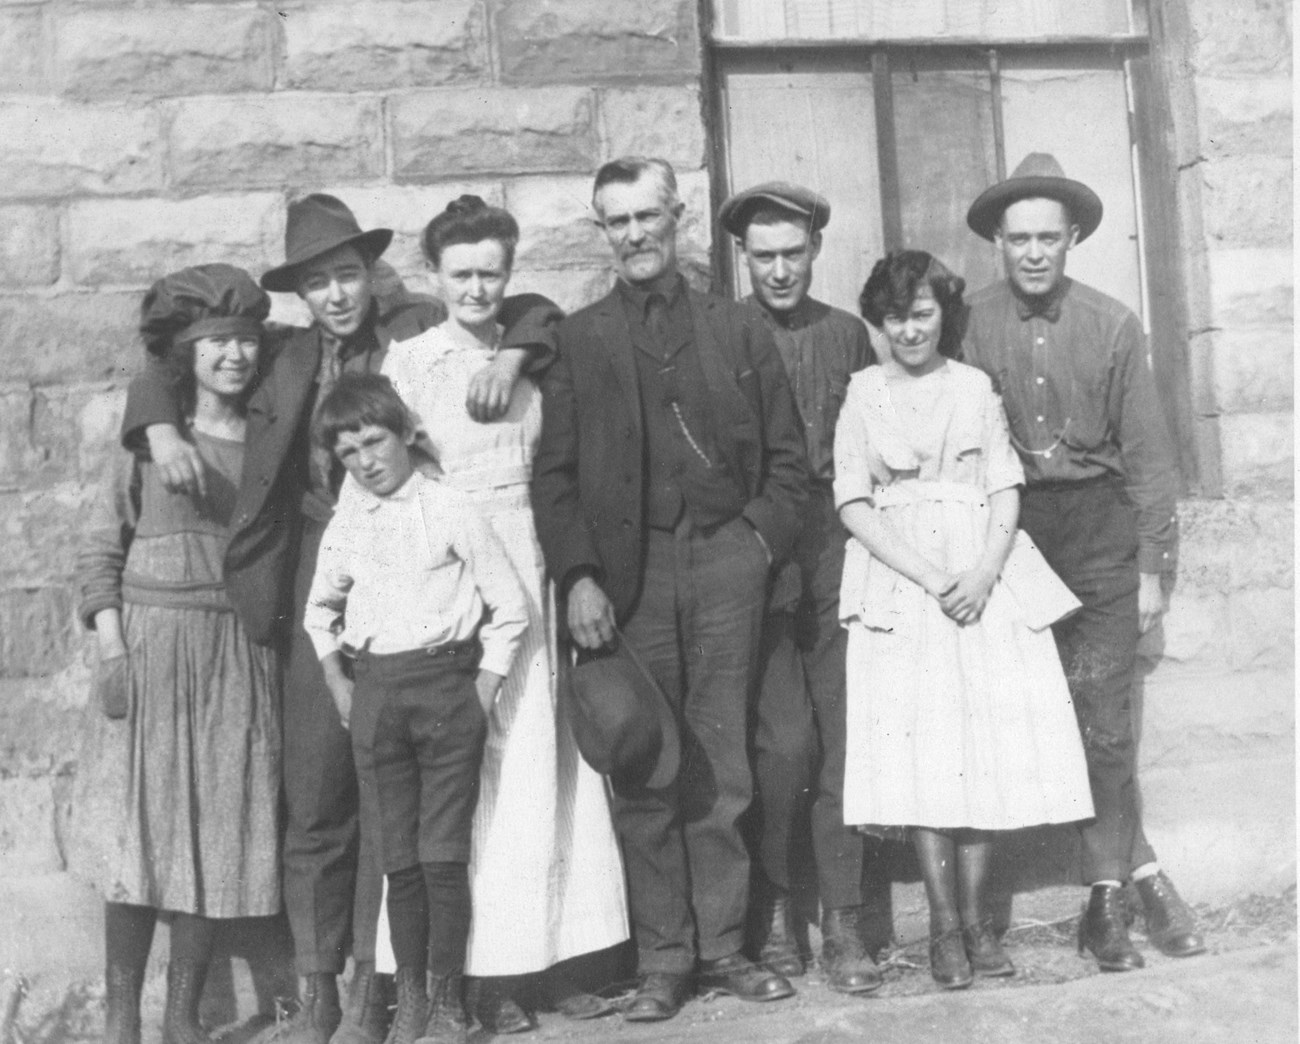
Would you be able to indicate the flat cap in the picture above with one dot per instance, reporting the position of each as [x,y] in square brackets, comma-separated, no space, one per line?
[736,211]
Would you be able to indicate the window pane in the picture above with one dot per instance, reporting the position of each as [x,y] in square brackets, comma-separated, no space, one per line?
[811,121]
[918,19]
[943,121]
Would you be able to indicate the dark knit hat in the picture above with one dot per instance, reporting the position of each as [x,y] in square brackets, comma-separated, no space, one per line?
[315,225]
[1039,176]
[204,301]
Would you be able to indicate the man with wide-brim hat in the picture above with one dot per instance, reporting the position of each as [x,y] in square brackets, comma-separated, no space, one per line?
[1099,501]
[778,227]
[286,497]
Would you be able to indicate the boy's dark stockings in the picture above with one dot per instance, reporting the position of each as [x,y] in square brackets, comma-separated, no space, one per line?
[428,912]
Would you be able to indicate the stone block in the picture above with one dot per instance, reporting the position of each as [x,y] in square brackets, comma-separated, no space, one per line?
[72,337]
[557,225]
[653,121]
[36,631]
[1190,718]
[55,149]
[1258,454]
[1253,369]
[28,842]
[271,141]
[1251,287]
[1248,201]
[1194,629]
[1249,115]
[1237,39]
[1263,628]
[548,41]
[406,209]
[134,241]
[40,722]
[180,49]
[22,51]
[98,422]
[42,529]
[456,132]
[695,233]
[385,45]
[570,288]
[1233,545]
[38,437]
[29,246]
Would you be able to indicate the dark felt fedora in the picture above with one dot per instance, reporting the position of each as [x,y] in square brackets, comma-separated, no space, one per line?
[1039,176]
[736,210]
[621,719]
[315,225]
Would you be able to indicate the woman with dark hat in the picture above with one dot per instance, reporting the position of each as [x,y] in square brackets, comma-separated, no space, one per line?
[177,790]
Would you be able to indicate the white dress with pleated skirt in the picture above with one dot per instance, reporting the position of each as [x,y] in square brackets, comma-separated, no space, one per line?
[948,726]
[546,876]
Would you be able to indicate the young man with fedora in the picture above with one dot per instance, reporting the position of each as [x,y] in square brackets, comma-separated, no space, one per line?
[331,890]
[669,477]
[779,229]
[1099,501]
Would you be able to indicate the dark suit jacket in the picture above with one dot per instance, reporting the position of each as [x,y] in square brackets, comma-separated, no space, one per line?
[588,489]
[261,557]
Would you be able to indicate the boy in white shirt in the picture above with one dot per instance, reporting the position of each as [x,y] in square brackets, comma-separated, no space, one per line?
[416,613]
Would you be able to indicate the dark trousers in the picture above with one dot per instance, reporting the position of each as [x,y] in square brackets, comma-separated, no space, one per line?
[417,736]
[804,655]
[696,626]
[332,888]
[1088,533]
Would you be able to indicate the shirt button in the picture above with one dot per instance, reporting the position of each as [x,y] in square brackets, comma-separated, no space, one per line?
[1038,340]
[1040,380]
[1039,419]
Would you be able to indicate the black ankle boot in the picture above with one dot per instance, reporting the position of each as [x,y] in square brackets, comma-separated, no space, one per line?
[447,1022]
[778,950]
[1171,926]
[181,1016]
[412,1007]
[1103,931]
[365,1021]
[845,962]
[494,1005]
[122,986]
[318,1014]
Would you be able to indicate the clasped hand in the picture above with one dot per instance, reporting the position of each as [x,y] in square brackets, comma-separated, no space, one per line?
[962,596]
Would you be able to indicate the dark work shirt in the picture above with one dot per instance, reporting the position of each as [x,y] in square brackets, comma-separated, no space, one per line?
[1080,399]
[684,469]
[821,347]
[360,353]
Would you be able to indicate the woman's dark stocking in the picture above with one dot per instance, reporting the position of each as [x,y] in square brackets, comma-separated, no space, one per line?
[191,952]
[128,935]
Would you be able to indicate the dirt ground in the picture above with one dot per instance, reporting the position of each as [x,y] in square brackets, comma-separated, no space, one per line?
[1243,991]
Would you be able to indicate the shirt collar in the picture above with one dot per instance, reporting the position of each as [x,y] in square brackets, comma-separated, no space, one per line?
[405,493]
[1042,306]
[670,289]
[795,319]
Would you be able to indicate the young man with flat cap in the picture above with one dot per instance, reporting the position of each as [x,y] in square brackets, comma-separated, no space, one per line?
[332,892]
[1099,501]
[669,477]
[779,228]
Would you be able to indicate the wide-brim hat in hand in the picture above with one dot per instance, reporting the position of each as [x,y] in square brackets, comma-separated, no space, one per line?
[315,225]
[621,720]
[214,300]
[1039,176]
[799,202]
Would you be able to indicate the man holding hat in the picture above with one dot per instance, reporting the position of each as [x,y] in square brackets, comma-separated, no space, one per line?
[332,892]
[1071,366]
[669,477]
[779,228]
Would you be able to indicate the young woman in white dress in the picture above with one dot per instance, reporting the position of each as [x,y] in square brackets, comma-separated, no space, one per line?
[545,872]
[959,719]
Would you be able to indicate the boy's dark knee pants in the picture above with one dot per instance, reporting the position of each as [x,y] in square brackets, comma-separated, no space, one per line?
[417,736]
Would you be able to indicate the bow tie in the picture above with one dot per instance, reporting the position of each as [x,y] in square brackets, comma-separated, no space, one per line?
[1046,307]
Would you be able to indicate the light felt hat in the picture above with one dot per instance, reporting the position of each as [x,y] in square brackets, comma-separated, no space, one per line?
[1038,176]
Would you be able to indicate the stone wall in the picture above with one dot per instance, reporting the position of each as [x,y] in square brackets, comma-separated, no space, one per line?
[147,135]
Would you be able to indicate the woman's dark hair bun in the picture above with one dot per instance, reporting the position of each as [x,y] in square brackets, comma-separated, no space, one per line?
[466,204]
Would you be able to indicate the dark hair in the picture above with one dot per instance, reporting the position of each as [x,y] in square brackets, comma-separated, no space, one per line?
[469,219]
[628,169]
[357,401]
[178,365]
[892,287]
